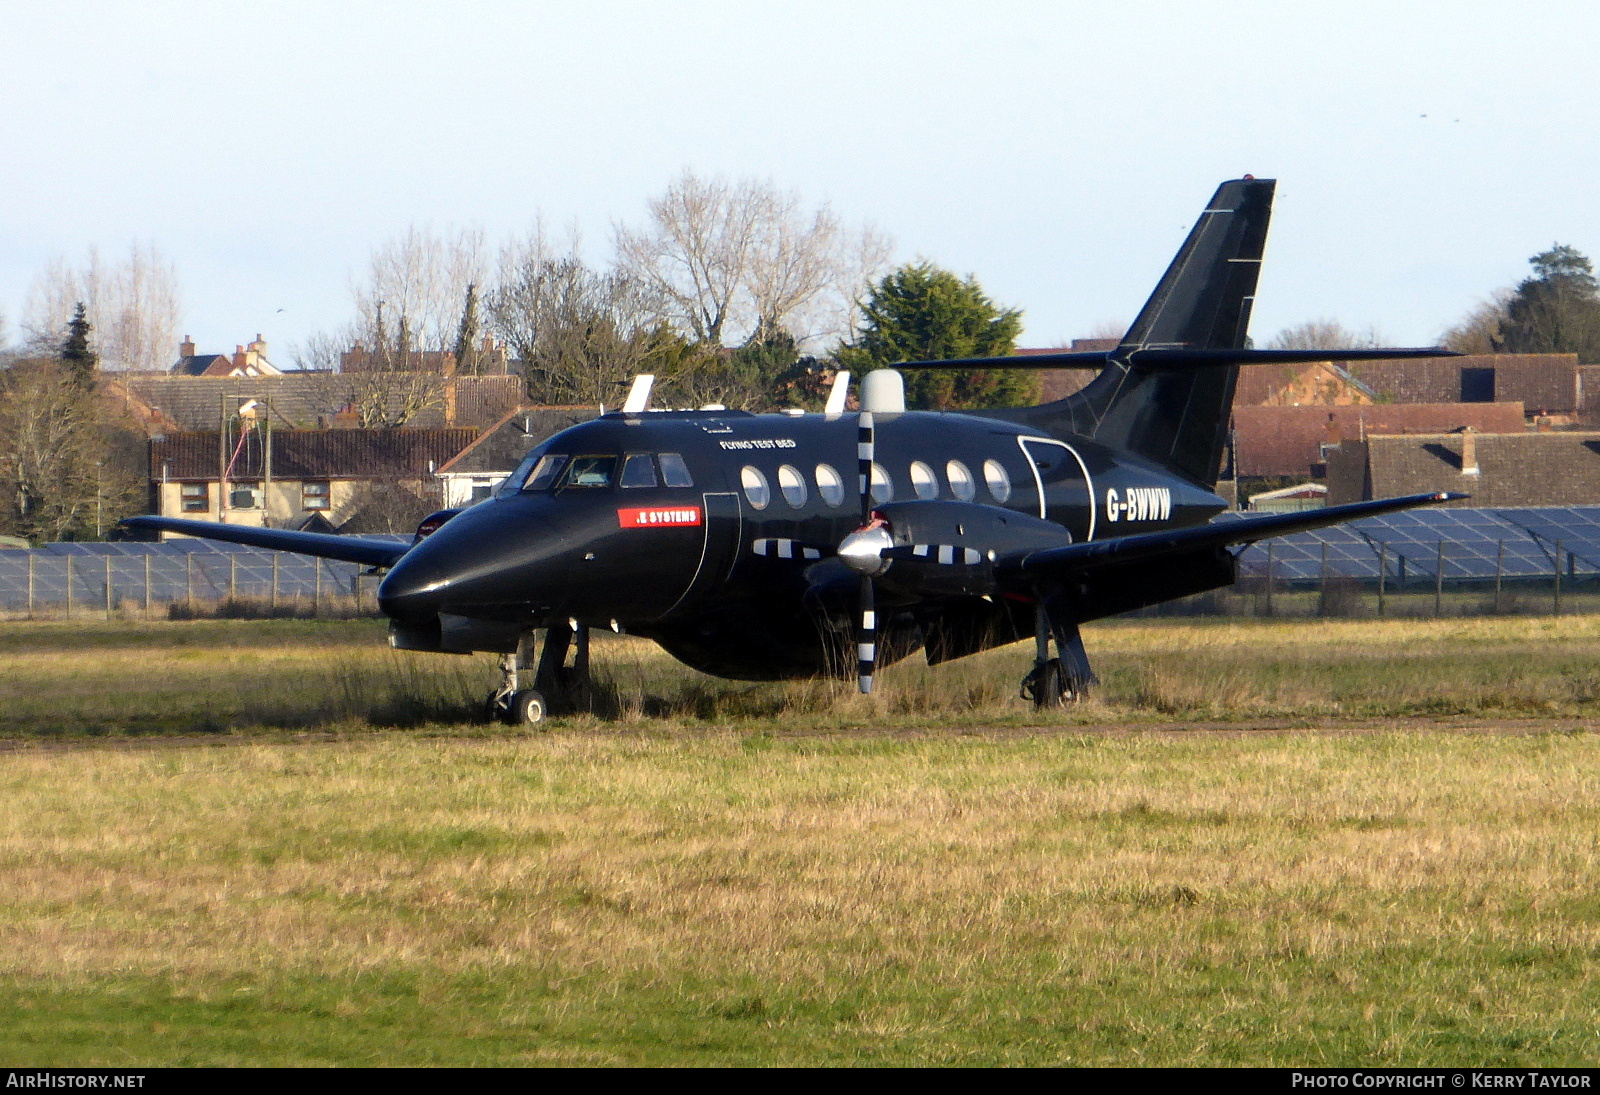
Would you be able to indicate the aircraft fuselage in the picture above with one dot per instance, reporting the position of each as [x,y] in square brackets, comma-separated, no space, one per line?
[713,532]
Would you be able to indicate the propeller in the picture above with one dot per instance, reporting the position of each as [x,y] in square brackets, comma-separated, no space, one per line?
[862,551]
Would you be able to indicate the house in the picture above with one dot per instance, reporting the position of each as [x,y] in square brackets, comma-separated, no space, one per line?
[246,361]
[1292,441]
[1316,383]
[488,359]
[284,478]
[473,473]
[1547,385]
[1555,468]
[302,400]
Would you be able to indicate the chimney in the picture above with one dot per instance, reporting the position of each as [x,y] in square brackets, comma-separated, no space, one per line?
[186,347]
[1469,451]
[239,360]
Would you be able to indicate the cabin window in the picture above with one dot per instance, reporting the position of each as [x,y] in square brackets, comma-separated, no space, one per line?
[545,471]
[590,472]
[999,483]
[196,497]
[638,470]
[882,486]
[961,483]
[315,494]
[793,485]
[674,472]
[923,481]
[756,491]
[829,485]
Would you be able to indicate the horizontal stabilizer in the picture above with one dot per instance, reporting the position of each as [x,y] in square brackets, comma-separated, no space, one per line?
[1174,358]
[350,549]
[1245,530]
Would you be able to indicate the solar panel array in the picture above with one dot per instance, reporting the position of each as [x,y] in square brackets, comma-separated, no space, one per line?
[1471,545]
[58,574]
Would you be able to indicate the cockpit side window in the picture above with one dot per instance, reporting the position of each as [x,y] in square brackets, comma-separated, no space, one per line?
[638,470]
[674,472]
[589,472]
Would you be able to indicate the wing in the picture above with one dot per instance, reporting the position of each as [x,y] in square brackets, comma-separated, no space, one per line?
[350,549]
[955,549]
[1246,530]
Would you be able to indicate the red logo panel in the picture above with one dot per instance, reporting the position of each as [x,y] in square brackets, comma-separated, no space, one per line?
[659,517]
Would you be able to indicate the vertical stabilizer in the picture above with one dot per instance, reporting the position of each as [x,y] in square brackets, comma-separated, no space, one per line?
[1178,416]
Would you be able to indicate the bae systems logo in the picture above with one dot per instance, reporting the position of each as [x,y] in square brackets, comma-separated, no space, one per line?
[659,517]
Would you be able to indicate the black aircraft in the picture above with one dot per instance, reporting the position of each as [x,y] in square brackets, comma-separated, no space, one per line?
[774,546]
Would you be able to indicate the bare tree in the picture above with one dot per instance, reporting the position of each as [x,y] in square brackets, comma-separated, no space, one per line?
[735,262]
[1324,334]
[411,297]
[1479,331]
[581,334]
[132,306]
[63,472]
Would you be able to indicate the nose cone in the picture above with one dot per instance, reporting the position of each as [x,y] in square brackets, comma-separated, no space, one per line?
[500,555]
[414,588]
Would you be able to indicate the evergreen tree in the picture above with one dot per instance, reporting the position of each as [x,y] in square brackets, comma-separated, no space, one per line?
[467,335]
[1557,310]
[76,353]
[923,313]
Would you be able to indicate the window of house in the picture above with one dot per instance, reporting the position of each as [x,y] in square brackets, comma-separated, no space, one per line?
[638,470]
[674,472]
[1477,385]
[481,490]
[244,496]
[315,494]
[196,497]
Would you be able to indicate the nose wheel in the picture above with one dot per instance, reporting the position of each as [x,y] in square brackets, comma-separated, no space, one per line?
[567,686]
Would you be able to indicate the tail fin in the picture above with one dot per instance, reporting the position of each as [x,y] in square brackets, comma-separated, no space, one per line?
[1179,417]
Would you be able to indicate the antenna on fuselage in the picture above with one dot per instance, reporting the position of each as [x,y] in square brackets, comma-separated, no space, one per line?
[638,400]
[838,393]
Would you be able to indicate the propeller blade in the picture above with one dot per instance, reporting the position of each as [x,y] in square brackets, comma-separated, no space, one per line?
[867,638]
[865,455]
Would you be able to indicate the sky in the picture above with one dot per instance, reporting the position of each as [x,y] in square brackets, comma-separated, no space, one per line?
[1056,151]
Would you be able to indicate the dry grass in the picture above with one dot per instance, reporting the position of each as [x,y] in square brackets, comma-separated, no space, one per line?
[736,898]
[723,873]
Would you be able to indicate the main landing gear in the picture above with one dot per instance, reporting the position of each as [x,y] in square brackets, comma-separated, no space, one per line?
[556,685]
[1066,677]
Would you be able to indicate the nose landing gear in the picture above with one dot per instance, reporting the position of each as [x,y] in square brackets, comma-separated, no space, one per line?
[556,685]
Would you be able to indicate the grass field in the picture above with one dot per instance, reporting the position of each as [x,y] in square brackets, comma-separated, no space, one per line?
[275,842]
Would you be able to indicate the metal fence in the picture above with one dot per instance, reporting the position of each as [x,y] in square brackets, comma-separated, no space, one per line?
[108,577]
[1431,561]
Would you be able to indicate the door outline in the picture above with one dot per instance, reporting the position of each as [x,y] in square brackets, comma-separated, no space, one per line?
[1038,480]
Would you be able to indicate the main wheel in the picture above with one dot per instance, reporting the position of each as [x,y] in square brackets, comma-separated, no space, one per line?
[1045,684]
[525,709]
